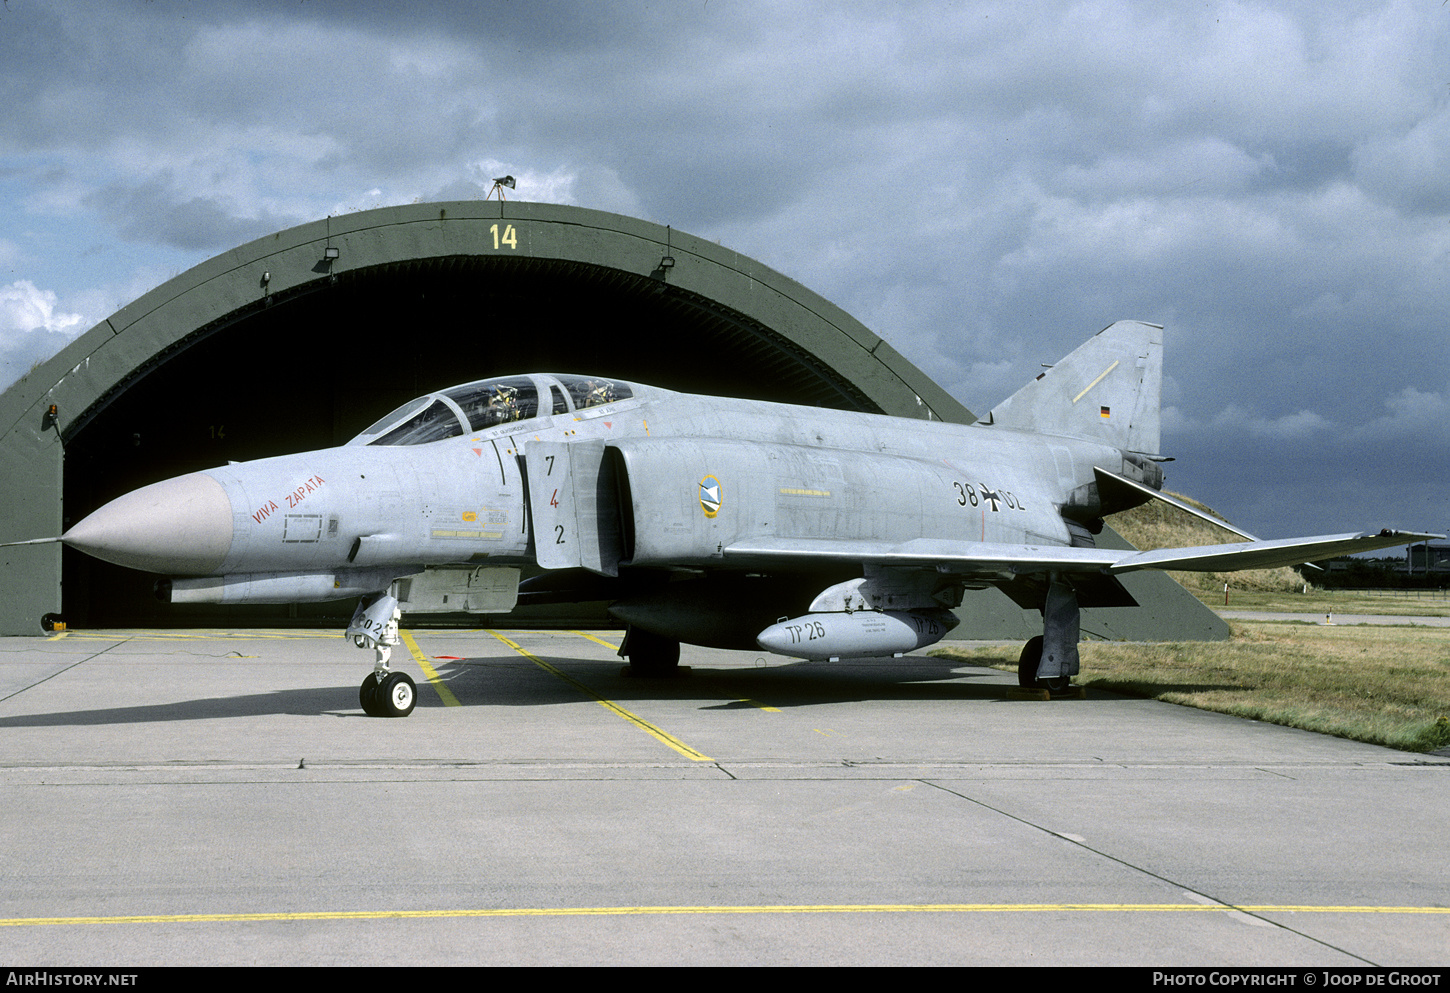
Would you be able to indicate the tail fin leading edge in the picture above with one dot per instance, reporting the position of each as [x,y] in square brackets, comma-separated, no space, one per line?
[1107,390]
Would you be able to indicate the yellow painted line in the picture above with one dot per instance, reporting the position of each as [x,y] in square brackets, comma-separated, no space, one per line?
[866,908]
[1095,381]
[609,705]
[444,693]
[57,637]
[598,641]
[601,641]
[757,703]
[200,635]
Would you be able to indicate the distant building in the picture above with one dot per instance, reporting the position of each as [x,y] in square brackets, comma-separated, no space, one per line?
[1437,556]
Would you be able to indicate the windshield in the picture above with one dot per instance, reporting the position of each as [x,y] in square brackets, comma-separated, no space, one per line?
[434,423]
[406,410]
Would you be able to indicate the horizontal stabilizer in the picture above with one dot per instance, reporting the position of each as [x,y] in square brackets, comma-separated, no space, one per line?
[1107,480]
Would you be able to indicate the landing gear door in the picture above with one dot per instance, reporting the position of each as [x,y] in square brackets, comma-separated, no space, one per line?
[573,506]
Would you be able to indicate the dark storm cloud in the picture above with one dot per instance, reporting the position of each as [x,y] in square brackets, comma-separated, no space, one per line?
[155,212]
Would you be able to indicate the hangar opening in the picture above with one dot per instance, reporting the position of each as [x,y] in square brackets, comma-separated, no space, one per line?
[300,339]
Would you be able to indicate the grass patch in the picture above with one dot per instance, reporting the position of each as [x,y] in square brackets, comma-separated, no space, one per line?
[1159,525]
[1429,603]
[1385,685]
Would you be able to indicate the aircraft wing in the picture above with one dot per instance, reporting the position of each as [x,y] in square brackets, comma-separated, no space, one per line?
[1265,554]
[983,558]
[926,553]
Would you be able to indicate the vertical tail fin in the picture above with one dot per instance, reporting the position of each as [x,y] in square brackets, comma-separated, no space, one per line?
[1108,390]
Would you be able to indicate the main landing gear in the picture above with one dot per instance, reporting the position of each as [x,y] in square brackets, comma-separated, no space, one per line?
[1050,660]
[650,654]
[383,693]
[1027,665]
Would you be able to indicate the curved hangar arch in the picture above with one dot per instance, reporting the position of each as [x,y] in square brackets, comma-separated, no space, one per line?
[298,339]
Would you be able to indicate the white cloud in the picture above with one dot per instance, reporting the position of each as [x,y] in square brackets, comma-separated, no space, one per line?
[1411,169]
[32,328]
[1287,427]
[26,307]
[1409,413]
[530,184]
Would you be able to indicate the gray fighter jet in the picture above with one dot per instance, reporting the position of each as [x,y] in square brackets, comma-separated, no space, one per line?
[811,533]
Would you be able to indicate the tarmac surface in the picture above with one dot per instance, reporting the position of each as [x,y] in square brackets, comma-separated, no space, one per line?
[214,797]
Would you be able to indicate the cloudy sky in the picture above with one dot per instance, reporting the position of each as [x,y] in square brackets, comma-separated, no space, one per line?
[983,184]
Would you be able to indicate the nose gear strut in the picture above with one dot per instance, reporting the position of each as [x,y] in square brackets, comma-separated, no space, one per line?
[383,693]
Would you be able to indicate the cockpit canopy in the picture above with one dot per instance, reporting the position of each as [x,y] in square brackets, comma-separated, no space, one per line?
[475,407]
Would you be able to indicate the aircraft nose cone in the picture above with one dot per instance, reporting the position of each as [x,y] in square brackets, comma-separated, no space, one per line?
[180,526]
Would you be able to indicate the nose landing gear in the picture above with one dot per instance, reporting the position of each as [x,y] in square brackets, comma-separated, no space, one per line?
[383,693]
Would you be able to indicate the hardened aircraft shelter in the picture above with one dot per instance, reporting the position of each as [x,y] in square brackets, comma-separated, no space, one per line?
[299,339]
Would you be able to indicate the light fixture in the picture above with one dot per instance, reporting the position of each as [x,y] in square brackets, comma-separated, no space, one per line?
[329,253]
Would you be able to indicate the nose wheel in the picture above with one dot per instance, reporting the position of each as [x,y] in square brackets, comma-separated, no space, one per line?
[394,696]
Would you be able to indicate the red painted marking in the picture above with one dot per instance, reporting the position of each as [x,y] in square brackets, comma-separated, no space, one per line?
[301,492]
[449,658]
[478,452]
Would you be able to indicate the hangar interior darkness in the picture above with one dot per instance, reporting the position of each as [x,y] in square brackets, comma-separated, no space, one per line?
[311,370]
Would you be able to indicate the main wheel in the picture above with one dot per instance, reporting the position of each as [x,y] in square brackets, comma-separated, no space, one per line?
[652,654]
[1028,662]
[396,695]
[367,695]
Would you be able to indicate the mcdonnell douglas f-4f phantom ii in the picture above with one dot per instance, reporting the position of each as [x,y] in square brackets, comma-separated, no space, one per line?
[811,533]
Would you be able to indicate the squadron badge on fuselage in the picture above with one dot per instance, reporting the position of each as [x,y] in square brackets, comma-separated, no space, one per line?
[710,496]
